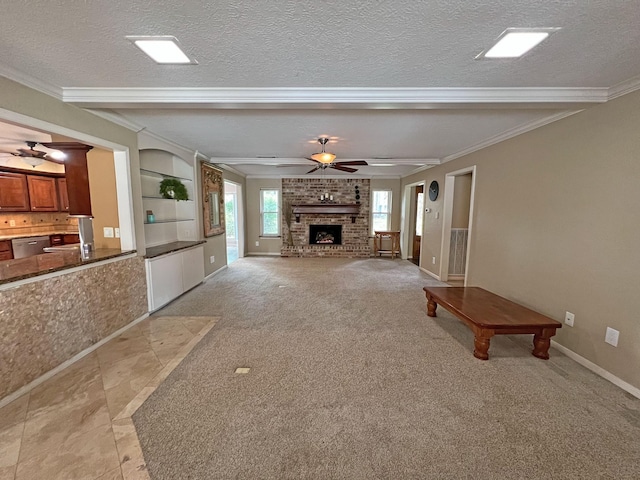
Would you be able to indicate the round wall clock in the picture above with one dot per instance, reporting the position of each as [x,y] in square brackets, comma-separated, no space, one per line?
[434,189]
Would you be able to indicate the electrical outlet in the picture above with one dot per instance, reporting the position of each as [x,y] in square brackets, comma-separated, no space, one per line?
[12,223]
[433,260]
[257,244]
[116,231]
[611,337]
[212,259]
[108,232]
[569,318]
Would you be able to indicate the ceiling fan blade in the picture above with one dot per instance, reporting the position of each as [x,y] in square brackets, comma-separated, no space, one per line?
[352,162]
[344,169]
[309,158]
[314,169]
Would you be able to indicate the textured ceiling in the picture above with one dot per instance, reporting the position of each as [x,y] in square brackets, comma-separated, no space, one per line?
[399,43]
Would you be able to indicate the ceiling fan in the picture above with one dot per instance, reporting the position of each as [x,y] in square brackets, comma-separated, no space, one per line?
[326,160]
[35,157]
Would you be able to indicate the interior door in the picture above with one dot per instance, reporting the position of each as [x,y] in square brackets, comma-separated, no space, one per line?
[417,234]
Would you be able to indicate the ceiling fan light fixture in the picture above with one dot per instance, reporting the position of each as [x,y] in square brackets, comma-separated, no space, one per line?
[33,161]
[323,157]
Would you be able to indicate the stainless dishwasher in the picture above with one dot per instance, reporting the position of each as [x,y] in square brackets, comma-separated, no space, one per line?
[26,247]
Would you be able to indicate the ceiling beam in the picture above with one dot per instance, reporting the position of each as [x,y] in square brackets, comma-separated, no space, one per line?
[325,98]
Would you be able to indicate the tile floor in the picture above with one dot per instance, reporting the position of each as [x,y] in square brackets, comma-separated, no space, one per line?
[77,425]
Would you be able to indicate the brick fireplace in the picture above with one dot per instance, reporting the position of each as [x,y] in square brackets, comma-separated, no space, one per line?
[344,210]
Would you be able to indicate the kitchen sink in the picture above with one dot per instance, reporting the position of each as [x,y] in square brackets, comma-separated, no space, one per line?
[62,248]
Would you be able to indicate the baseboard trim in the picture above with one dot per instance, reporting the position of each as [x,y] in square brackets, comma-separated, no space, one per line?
[213,274]
[42,378]
[627,387]
[431,274]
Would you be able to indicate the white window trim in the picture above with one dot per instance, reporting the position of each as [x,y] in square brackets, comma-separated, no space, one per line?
[389,207]
[262,234]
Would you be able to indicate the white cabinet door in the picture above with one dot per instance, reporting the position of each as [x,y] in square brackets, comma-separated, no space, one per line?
[164,276]
[192,267]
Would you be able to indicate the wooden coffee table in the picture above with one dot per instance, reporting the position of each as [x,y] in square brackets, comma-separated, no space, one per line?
[488,314]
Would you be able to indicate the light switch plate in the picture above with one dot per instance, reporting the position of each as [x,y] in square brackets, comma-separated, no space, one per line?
[117,232]
[611,336]
[108,232]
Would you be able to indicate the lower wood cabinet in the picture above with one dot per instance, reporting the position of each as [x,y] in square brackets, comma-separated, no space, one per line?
[170,275]
[6,252]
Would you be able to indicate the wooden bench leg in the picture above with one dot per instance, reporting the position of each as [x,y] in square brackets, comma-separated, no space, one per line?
[541,343]
[431,306]
[481,344]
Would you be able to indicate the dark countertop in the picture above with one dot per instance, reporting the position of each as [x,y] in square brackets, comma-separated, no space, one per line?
[28,267]
[29,235]
[158,250]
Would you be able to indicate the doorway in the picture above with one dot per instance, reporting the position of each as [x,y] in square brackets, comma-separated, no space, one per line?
[418,200]
[459,193]
[233,221]
[412,221]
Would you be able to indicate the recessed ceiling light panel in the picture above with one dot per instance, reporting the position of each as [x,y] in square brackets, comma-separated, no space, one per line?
[163,49]
[515,42]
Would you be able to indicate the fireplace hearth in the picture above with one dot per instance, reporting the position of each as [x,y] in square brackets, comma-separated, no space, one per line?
[325,234]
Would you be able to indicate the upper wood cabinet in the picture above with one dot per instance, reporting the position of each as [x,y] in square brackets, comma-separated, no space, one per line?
[14,196]
[63,197]
[43,193]
[77,175]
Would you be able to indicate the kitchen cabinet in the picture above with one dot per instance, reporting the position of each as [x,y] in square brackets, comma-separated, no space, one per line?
[5,250]
[63,197]
[70,238]
[58,239]
[77,176]
[170,275]
[43,193]
[14,194]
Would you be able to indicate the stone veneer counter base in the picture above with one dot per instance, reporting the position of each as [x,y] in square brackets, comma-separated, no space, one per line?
[47,322]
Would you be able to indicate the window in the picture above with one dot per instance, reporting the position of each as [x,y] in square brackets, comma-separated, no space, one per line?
[269,216]
[381,210]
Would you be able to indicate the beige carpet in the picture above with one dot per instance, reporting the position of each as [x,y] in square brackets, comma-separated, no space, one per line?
[351,380]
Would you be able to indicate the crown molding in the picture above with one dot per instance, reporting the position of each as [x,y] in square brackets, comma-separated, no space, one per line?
[228,168]
[390,98]
[421,169]
[625,87]
[514,132]
[116,118]
[31,82]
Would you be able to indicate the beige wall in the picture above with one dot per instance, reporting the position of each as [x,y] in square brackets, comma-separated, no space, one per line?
[556,227]
[268,246]
[23,100]
[461,201]
[104,201]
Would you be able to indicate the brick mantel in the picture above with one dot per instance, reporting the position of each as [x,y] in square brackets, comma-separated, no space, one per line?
[303,194]
[352,209]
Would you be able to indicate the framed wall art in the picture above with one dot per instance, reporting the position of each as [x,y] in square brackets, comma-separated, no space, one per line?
[212,199]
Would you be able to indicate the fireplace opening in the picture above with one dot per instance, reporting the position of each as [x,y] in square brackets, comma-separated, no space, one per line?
[325,234]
